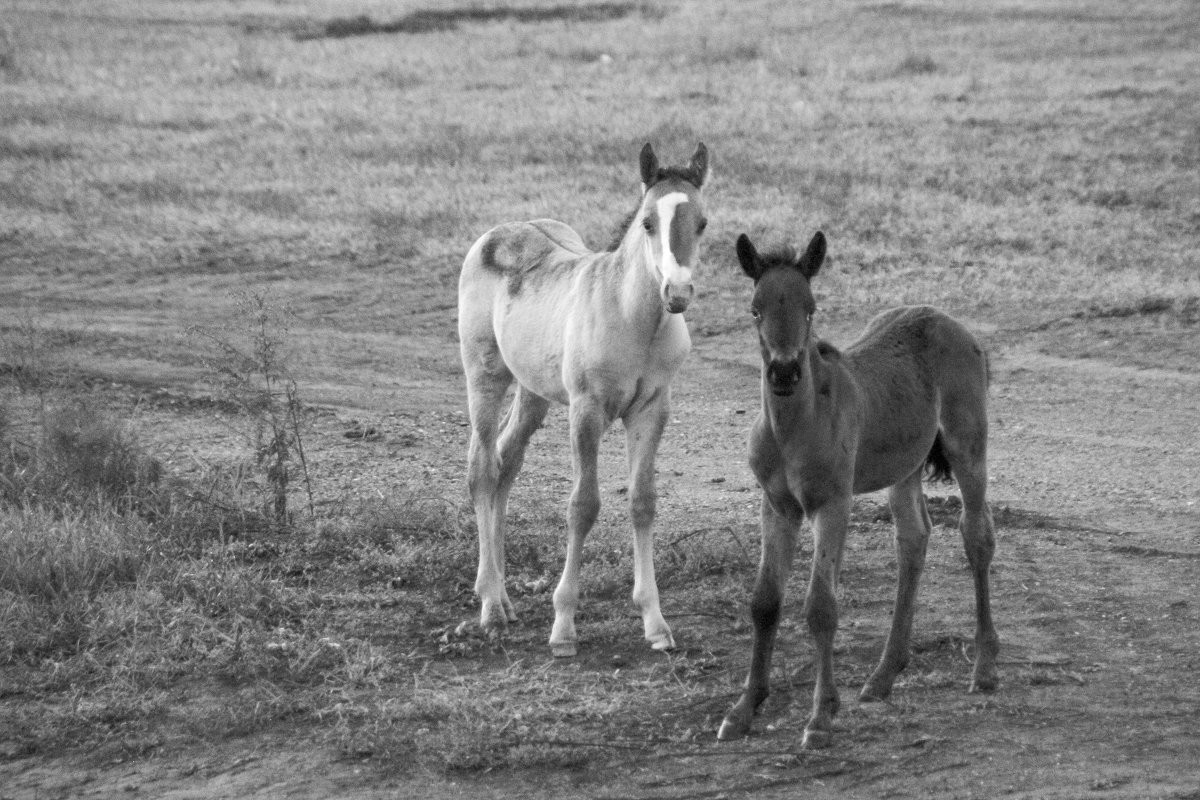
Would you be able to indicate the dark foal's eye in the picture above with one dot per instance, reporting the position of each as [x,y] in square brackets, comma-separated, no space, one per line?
[700,227]
[754,312]
[648,225]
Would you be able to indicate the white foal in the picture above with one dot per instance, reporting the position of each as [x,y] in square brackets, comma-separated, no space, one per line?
[601,332]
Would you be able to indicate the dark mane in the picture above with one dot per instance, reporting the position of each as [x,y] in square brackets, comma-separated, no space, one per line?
[675,173]
[664,174]
[782,256]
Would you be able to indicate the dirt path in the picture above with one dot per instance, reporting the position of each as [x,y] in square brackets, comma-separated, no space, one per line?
[1096,478]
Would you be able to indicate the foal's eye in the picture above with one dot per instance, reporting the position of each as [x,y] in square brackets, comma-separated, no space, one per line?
[648,225]
[703,224]
[754,312]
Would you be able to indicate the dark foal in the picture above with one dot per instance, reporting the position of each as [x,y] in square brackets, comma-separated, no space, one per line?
[911,391]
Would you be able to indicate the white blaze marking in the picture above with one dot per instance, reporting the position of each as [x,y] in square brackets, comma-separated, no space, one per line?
[672,272]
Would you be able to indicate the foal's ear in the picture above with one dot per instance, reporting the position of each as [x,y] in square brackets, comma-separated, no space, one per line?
[814,256]
[748,256]
[698,166]
[649,165]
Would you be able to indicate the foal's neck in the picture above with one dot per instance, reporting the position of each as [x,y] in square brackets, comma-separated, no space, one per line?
[798,415]
[639,298]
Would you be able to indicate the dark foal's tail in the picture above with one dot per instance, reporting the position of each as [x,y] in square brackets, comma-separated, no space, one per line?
[937,466]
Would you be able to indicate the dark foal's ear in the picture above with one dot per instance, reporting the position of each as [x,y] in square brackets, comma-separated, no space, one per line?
[649,164]
[698,166]
[748,256]
[814,256]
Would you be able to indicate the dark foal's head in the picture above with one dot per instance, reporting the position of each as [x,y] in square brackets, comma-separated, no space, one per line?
[782,307]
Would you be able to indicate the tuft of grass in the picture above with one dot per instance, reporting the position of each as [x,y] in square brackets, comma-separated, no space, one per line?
[27,356]
[435,20]
[59,568]
[270,201]
[917,64]
[412,540]
[249,65]
[723,51]
[82,457]
[42,151]
[9,62]
[87,453]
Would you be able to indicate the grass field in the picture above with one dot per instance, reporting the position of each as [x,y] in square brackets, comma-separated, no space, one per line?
[1033,167]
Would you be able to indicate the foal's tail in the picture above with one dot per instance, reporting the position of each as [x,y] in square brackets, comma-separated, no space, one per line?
[937,466]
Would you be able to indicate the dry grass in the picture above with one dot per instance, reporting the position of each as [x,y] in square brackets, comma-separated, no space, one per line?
[931,162]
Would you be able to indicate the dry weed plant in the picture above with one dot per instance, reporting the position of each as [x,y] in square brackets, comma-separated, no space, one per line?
[252,369]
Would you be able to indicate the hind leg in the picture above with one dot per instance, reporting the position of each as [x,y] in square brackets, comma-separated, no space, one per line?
[980,542]
[486,393]
[966,449]
[524,417]
[913,527]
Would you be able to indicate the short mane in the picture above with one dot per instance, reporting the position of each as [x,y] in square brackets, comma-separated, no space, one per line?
[618,235]
[782,256]
[674,173]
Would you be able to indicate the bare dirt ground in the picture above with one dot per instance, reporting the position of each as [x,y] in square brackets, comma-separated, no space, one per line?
[1095,483]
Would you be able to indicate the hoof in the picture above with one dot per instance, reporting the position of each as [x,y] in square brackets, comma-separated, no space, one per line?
[983,684]
[563,649]
[732,729]
[494,621]
[816,740]
[874,693]
[663,643]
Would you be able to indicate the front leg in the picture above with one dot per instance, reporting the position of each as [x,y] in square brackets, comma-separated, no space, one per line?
[588,423]
[643,431]
[781,521]
[830,523]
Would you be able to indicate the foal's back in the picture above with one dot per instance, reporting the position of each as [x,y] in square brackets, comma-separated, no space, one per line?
[913,346]
[521,264]
[516,293]
[911,367]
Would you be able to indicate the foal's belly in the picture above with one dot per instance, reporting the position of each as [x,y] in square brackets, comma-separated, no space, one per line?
[879,466]
[557,356]
[529,333]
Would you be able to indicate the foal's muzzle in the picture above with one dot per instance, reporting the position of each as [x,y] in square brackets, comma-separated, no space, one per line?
[783,376]
[676,296]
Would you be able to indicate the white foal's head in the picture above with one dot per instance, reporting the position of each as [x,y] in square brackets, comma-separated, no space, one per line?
[672,218]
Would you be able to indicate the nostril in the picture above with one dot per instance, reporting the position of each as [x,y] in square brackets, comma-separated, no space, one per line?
[784,372]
